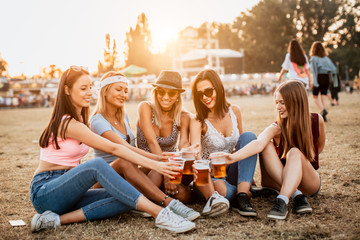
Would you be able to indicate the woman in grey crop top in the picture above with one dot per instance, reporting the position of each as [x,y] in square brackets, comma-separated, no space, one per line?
[163,126]
[217,127]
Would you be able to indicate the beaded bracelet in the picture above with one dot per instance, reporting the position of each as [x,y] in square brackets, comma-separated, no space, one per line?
[163,201]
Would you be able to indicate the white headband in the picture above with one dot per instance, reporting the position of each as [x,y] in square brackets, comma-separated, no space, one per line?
[113,79]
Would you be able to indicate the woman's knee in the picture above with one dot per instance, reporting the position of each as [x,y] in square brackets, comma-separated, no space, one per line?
[184,194]
[245,138]
[293,153]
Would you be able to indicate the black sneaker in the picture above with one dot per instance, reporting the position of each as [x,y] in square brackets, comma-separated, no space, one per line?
[264,192]
[323,114]
[279,210]
[301,205]
[243,206]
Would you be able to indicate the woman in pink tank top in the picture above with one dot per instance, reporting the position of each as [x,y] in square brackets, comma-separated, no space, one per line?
[290,170]
[60,189]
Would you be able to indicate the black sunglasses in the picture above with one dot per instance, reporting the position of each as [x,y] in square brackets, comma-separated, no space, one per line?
[207,92]
[161,92]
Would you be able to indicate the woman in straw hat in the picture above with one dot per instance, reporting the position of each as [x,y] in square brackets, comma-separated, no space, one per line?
[61,187]
[111,122]
[163,126]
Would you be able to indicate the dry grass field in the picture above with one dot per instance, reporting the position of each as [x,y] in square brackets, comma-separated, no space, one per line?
[336,212]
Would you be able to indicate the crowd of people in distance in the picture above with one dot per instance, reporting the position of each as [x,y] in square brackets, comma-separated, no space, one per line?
[131,171]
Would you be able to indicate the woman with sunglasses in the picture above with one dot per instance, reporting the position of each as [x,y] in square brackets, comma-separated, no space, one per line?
[110,121]
[217,127]
[61,187]
[163,126]
[289,150]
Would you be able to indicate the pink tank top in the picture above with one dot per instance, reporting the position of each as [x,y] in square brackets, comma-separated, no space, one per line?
[70,153]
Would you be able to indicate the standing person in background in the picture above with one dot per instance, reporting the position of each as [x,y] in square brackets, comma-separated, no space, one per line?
[218,128]
[296,64]
[111,121]
[61,187]
[290,149]
[163,126]
[323,70]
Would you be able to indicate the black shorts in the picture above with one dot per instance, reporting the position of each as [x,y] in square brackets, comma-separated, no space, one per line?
[324,83]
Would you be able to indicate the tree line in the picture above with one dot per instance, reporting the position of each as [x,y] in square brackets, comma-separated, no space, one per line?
[263,33]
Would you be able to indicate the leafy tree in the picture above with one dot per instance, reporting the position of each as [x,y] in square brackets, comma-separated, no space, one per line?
[51,72]
[265,32]
[3,67]
[347,56]
[138,43]
[110,57]
[348,31]
[312,18]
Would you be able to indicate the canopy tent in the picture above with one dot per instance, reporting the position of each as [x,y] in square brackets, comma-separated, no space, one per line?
[133,70]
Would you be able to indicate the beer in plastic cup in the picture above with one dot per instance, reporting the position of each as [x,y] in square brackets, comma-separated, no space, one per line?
[189,156]
[202,167]
[218,164]
[180,162]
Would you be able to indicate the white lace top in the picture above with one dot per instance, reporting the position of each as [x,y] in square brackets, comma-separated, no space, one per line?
[214,141]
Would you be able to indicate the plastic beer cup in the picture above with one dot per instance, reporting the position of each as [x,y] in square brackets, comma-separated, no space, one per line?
[202,167]
[189,157]
[177,159]
[218,164]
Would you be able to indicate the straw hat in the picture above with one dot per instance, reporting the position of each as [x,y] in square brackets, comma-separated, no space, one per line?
[169,79]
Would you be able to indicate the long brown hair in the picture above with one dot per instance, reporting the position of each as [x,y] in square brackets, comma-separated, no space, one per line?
[221,105]
[296,53]
[296,128]
[317,49]
[63,106]
[101,102]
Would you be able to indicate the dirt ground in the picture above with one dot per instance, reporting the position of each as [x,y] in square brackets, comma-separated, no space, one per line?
[336,210]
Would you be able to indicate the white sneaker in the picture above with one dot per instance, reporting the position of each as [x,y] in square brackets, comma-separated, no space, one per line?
[45,220]
[172,222]
[216,205]
[141,213]
[180,209]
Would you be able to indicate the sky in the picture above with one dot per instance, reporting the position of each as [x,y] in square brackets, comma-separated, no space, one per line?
[37,33]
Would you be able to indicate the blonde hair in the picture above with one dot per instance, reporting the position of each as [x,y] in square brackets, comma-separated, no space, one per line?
[174,113]
[296,128]
[101,102]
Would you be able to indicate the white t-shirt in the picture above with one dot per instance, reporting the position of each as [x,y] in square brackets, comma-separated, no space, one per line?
[296,72]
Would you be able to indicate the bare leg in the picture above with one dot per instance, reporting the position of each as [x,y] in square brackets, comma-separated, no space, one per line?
[72,217]
[318,102]
[271,168]
[299,173]
[184,192]
[208,189]
[324,100]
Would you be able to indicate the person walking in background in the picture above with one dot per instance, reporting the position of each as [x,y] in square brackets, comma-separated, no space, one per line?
[289,151]
[296,64]
[61,187]
[323,70]
[218,128]
[111,121]
[163,126]
[356,84]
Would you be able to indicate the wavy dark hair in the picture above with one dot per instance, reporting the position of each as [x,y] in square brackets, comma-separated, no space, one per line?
[317,49]
[297,53]
[63,106]
[296,128]
[221,105]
